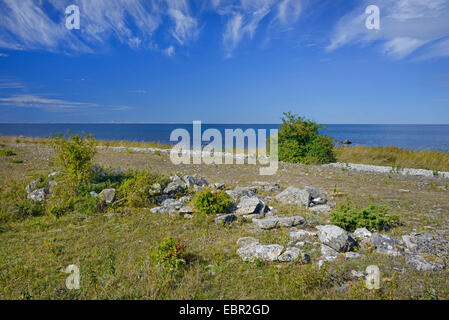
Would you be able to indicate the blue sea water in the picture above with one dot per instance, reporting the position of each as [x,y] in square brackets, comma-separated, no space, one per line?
[415,137]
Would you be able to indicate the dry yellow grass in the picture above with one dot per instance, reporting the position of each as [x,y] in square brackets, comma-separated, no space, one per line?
[394,156]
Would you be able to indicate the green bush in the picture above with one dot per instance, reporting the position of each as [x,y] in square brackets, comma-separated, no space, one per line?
[373,218]
[28,208]
[300,141]
[208,202]
[7,153]
[171,254]
[74,154]
[137,189]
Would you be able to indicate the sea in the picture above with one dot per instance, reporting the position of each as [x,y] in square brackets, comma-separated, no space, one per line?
[415,137]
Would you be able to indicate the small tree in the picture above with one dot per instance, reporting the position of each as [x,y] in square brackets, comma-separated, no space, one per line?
[74,154]
[300,141]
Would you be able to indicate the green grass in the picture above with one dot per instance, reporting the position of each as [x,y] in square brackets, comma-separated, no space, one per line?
[394,156]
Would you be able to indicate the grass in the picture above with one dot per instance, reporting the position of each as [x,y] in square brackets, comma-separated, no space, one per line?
[115,249]
[394,157]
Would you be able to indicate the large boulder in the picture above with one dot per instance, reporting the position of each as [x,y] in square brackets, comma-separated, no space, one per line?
[362,234]
[302,234]
[291,254]
[249,205]
[293,195]
[174,187]
[336,238]
[255,251]
[107,195]
[386,245]
[328,253]
[426,243]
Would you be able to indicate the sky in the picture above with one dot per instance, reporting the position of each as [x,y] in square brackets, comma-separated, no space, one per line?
[224,61]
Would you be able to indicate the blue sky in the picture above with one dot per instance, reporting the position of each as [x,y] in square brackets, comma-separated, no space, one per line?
[224,61]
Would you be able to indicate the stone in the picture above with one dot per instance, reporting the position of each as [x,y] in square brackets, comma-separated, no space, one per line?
[219,186]
[98,171]
[118,171]
[291,254]
[53,174]
[239,192]
[51,185]
[273,222]
[227,218]
[246,241]
[255,251]
[249,205]
[186,210]
[185,199]
[107,195]
[328,253]
[93,194]
[352,255]
[321,208]
[357,274]
[386,245]
[293,195]
[172,204]
[362,234]
[417,262]
[174,187]
[37,195]
[302,234]
[266,186]
[336,238]
[426,243]
[33,185]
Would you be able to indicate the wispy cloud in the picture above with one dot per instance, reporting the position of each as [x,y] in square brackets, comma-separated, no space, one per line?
[54,105]
[407,26]
[138,91]
[8,84]
[170,51]
[4,55]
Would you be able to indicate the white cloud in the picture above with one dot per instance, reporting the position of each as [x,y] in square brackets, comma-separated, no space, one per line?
[7,84]
[35,101]
[170,51]
[406,26]
[185,27]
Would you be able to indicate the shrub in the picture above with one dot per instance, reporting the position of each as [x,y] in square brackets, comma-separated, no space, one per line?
[7,153]
[373,217]
[28,208]
[137,190]
[171,254]
[74,154]
[300,141]
[207,201]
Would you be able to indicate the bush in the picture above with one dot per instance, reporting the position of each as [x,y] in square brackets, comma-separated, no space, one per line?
[28,208]
[300,141]
[74,154]
[137,189]
[7,153]
[171,254]
[373,218]
[208,202]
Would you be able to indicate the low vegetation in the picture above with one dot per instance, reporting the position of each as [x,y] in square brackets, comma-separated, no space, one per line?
[300,141]
[208,201]
[394,157]
[373,217]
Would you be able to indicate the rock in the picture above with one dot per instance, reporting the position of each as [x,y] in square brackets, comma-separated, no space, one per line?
[174,187]
[255,251]
[51,185]
[98,171]
[227,218]
[53,174]
[273,222]
[302,234]
[190,181]
[239,192]
[266,186]
[291,254]
[317,196]
[246,241]
[362,234]
[386,245]
[417,262]
[118,171]
[37,195]
[357,274]
[185,199]
[336,238]
[352,255]
[219,186]
[327,253]
[158,210]
[404,191]
[171,205]
[249,205]
[346,142]
[293,195]
[107,195]
[426,243]
[321,208]
[33,185]
[93,194]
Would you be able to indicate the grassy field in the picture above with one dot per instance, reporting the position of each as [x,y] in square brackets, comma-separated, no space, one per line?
[115,249]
